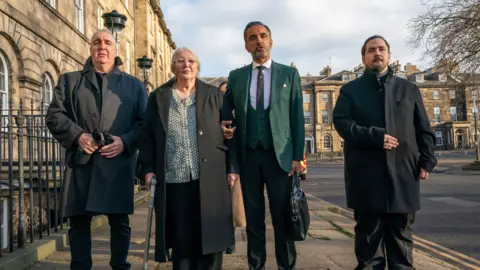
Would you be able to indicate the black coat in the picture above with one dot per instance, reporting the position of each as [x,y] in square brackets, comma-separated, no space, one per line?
[94,183]
[215,200]
[378,180]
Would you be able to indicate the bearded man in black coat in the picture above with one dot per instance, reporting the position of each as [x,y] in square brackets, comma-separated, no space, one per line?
[389,148]
[98,100]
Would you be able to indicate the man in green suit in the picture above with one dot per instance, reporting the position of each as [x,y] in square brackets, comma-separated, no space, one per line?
[266,99]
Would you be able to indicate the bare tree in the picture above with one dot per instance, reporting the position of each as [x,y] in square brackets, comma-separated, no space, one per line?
[449,30]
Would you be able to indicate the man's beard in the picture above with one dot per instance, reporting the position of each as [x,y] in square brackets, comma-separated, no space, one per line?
[377,68]
[259,55]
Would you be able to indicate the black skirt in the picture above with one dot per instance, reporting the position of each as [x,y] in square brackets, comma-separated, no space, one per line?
[182,221]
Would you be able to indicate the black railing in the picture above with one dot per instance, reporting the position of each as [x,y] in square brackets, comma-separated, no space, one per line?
[32,164]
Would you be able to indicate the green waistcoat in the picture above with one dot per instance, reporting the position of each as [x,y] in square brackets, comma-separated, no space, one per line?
[258,127]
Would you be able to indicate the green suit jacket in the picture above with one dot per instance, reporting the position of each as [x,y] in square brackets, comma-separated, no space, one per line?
[286,114]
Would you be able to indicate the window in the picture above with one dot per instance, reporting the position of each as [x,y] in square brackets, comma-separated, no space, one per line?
[52,3]
[345,77]
[453,113]
[436,95]
[327,142]
[475,109]
[324,97]
[99,18]
[127,56]
[307,118]
[436,114]
[46,91]
[79,15]
[452,94]
[3,85]
[306,98]
[324,116]
[475,94]
[438,138]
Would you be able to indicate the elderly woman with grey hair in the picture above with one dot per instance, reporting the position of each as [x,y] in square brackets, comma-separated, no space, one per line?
[184,150]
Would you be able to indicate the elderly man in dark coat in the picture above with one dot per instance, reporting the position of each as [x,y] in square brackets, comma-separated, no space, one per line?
[388,148]
[100,99]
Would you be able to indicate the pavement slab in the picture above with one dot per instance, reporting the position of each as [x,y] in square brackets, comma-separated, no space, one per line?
[328,246]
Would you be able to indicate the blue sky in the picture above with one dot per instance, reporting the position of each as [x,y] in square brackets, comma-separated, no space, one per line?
[310,33]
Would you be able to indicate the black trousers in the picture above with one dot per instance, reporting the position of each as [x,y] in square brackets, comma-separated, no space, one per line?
[183,222]
[384,239]
[261,167]
[212,261]
[80,239]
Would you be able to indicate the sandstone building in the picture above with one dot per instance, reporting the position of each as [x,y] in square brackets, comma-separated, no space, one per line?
[41,39]
[448,99]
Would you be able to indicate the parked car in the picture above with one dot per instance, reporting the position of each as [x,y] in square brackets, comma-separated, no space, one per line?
[303,163]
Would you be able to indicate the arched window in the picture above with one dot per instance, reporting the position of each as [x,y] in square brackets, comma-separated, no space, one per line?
[47,91]
[3,85]
[327,142]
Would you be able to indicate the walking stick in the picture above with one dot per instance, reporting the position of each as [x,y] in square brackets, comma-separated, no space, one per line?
[153,182]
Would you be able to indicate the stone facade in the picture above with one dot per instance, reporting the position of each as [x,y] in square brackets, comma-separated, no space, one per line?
[39,42]
[448,103]
[42,39]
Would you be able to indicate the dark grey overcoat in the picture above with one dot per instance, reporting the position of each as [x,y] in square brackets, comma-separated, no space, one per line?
[378,180]
[215,200]
[94,184]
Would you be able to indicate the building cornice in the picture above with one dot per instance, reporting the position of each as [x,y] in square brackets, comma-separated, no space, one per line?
[158,10]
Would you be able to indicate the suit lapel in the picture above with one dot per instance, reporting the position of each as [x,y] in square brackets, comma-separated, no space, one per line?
[201,98]
[274,84]
[111,101]
[163,101]
[91,77]
[390,103]
[243,91]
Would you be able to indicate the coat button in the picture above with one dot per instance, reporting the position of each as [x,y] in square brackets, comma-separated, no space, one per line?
[204,159]
[200,132]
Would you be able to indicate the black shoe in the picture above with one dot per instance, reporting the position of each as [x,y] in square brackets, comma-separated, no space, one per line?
[230,250]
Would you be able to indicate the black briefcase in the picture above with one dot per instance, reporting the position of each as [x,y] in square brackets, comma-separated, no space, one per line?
[297,216]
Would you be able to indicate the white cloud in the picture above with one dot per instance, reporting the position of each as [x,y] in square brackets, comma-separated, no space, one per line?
[306,32]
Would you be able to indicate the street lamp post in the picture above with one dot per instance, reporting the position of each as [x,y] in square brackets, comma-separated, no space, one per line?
[475,117]
[115,22]
[145,64]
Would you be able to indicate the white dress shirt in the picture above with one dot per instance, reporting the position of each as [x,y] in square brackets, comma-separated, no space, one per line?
[267,81]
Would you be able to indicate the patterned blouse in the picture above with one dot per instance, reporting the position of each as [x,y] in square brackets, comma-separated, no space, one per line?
[183,158]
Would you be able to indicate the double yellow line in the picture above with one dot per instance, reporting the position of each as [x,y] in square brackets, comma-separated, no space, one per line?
[433,249]
[443,252]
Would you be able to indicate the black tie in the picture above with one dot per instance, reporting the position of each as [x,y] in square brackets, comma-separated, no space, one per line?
[260,85]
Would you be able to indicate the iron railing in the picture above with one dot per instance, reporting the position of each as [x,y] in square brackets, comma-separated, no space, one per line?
[32,164]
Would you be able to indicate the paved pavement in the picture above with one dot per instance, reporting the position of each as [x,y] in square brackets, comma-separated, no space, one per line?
[329,245]
[450,214]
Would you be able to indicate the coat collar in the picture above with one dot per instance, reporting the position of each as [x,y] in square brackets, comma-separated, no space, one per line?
[246,77]
[267,65]
[89,71]
[164,95]
[374,81]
